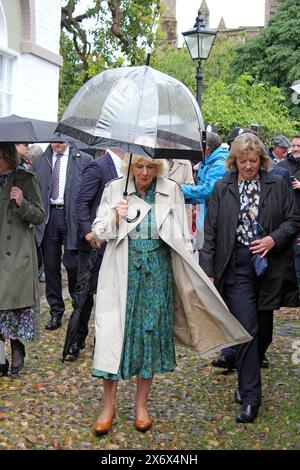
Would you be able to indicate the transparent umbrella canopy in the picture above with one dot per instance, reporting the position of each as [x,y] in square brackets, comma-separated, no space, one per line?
[136,109]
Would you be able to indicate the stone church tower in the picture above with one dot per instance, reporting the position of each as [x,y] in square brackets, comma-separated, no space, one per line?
[168,22]
[270,8]
[205,12]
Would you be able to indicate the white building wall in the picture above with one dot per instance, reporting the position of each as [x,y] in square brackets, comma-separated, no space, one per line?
[37,79]
[36,88]
[47,22]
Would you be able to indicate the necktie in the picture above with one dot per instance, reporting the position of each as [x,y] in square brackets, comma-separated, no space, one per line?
[55,177]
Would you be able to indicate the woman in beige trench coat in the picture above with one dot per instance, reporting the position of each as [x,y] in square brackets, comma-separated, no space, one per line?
[197,313]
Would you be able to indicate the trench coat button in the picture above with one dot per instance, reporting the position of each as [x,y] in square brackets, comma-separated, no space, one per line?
[8,253]
[8,237]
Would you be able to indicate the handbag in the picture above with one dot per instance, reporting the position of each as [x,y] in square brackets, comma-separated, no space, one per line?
[259,264]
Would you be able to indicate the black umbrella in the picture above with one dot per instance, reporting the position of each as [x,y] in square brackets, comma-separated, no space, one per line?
[22,129]
[82,290]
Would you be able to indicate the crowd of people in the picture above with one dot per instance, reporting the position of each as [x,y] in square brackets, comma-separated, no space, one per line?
[197,255]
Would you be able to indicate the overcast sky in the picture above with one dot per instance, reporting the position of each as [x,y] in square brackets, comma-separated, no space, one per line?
[235,13]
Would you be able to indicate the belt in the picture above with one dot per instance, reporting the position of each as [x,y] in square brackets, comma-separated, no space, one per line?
[57,206]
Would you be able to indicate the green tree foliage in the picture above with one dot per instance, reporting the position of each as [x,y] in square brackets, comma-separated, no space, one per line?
[244,101]
[274,55]
[107,34]
[177,63]
[71,74]
[228,100]
[128,30]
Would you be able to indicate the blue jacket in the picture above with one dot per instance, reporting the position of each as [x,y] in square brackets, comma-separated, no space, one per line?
[94,179]
[42,167]
[209,171]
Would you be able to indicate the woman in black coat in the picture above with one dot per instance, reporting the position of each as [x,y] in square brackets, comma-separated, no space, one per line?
[246,198]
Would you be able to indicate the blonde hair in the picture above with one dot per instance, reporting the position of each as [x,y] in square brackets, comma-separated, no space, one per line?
[161,165]
[243,143]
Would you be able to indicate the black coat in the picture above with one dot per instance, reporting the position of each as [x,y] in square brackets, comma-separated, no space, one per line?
[278,286]
[292,165]
[42,167]
[94,179]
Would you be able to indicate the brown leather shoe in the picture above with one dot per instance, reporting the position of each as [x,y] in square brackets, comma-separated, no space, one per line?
[102,427]
[143,425]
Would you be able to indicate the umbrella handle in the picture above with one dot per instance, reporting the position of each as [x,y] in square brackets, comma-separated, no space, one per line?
[138,212]
[125,194]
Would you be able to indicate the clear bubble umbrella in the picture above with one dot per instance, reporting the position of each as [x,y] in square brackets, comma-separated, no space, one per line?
[136,109]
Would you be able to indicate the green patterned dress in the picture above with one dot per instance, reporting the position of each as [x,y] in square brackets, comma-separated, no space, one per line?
[148,345]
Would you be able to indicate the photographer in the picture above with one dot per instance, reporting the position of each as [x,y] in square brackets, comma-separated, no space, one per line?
[292,164]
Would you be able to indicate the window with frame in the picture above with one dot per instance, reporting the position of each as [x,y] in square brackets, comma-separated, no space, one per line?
[6,83]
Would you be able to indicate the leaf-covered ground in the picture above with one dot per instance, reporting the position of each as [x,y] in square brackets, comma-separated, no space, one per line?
[53,406]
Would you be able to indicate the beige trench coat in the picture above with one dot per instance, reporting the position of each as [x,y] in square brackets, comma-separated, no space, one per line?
[182,172]
[201,319]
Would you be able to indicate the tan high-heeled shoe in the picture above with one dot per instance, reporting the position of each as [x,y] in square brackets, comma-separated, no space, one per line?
[102,427]
[143,424]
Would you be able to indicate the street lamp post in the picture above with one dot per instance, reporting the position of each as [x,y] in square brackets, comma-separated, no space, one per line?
[199,41]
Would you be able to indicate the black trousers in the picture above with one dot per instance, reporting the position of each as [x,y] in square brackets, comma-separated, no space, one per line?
[264,335]
[54,238]
[265,332]
[85,314]
[241,297]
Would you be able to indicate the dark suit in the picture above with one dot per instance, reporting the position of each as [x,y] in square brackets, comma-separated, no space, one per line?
[59,226]
[292,165]
[96,175]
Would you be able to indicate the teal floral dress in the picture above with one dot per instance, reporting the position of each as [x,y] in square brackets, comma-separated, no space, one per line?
[148,345]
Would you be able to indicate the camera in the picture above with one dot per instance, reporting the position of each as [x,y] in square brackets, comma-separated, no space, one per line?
[255,127]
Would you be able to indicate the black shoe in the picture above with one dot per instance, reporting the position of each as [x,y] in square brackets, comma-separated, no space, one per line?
[225,362]
[54,323]
[264,363]
[4,369]
[18,354]
[74,352]
[247,414]
[237,397]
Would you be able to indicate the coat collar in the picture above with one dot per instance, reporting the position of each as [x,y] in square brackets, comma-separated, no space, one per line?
[161,186]
[231,177]
[266,180]
[136,204]
[178,164]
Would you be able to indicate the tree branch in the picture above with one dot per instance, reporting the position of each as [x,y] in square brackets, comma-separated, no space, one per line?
[115,8]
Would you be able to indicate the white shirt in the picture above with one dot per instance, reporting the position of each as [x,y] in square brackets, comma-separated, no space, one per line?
[117,162]
[62,176]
